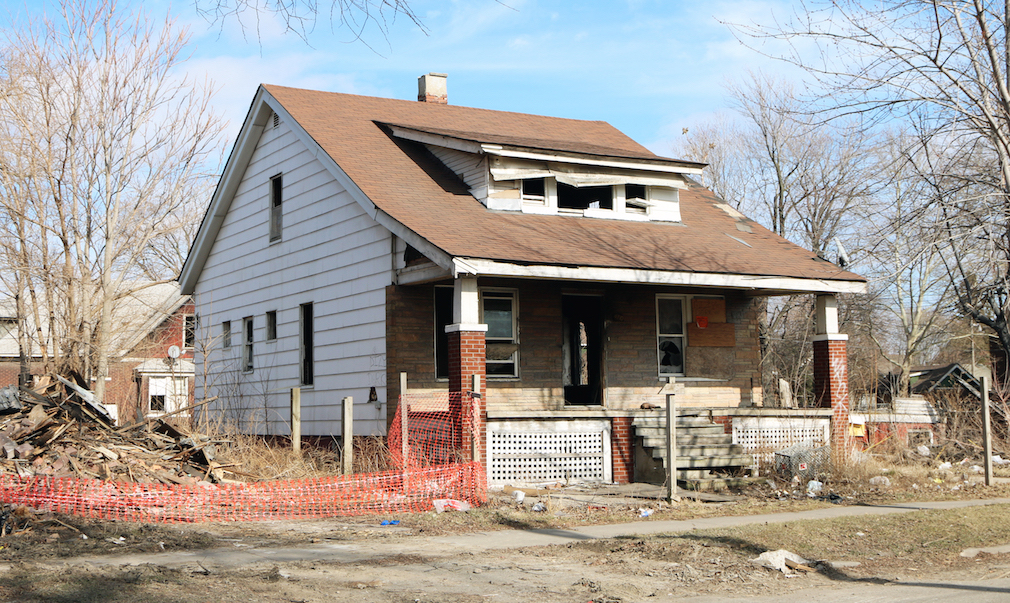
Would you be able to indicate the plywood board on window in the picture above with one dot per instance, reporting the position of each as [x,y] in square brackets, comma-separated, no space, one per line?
[712,309]
[711,363]
[716,334]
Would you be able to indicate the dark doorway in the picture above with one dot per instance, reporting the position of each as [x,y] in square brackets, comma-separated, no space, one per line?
[582,316]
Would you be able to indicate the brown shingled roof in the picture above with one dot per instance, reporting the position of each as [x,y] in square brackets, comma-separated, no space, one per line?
[405,181]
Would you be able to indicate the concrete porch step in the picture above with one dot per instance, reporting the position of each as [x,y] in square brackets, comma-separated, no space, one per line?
[710,429]
[715,484]
[717,449]
[711,462]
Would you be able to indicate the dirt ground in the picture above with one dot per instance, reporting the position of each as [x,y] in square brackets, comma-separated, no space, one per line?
[46,557]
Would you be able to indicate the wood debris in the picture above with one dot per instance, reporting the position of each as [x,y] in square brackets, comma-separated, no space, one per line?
[57,431]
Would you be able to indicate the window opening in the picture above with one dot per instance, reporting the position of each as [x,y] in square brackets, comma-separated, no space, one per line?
[247,344]
[226,334]
[167,394]
[586,197]
[189,331]
[307,337]
[670,335]
[582,348]
[635,199]
[276,202]
[443,318]
[502,346]
[271,325]
[533,189]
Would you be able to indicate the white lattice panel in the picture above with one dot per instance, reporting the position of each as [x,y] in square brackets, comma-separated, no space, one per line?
[762,436]
[548,451]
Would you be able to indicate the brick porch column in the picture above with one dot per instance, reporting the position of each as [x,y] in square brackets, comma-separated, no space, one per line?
[467,351]
[831,374]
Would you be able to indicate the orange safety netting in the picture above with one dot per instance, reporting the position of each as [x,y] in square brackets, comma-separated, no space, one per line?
[440,451]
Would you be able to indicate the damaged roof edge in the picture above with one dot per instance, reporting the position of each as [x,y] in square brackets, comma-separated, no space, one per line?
[771,285]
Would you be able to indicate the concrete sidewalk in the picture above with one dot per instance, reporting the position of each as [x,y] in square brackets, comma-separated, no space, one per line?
[355,552]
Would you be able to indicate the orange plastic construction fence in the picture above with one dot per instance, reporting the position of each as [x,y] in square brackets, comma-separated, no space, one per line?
[441,435]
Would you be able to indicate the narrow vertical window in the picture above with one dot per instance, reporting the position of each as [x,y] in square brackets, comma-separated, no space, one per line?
[247,344]
[189,332]
[306,344]
[443,317]
[276,203]
[670,335]
[226,334]
[271,325]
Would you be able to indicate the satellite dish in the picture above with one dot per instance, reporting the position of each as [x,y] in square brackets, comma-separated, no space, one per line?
[174,351]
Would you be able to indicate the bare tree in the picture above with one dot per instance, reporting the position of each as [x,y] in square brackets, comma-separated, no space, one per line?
[104,146]
[943,65]
[800,177]
[300,17]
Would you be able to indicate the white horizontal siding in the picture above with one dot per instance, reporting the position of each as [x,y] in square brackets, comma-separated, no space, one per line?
[332,255]
[471,168]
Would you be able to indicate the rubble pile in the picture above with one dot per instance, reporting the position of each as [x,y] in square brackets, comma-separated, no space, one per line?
[56,429]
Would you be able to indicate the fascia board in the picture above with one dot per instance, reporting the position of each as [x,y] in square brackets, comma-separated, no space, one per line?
[614,162]
[753,283]
[448,142]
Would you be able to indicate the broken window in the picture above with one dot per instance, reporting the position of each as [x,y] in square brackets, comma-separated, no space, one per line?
[167,394]
[247,344]
[585,197]
[307,327]
[271,325]
[443,318]
[502,345]
[226,334]
[534,190]
[670,331]
[189,332]
[635,200]
[276,202]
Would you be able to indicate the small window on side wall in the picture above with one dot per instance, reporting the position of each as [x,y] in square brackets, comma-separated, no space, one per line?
[276,205]
[189,331]
[670,337]
[307,344]
[271,325]
[247,344]
[226,334]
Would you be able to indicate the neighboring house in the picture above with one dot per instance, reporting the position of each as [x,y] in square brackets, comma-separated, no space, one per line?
[151,353]
[352,239]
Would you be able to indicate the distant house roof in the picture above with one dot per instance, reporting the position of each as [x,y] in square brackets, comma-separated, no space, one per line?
[404,187]
[926,380]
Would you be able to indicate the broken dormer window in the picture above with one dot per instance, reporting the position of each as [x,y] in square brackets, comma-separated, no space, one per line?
[635,199]
[533,190]
[585,197]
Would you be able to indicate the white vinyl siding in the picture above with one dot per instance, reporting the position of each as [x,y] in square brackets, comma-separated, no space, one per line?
[472,169]
[331,254]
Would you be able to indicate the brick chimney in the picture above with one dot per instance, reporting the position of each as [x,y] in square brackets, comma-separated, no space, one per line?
[431,89]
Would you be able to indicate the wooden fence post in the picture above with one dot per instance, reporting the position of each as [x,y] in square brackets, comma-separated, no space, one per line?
[296,419]
[347,458]
[986,431]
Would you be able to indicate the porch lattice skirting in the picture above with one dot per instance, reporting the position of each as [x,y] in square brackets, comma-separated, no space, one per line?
[763,436]
[548,451]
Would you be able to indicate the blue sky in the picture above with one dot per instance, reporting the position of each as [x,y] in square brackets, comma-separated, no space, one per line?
[648,67]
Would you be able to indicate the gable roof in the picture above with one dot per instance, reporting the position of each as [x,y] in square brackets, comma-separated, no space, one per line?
[407,190]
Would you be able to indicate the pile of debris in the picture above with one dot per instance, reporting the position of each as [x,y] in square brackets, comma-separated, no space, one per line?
[57,429]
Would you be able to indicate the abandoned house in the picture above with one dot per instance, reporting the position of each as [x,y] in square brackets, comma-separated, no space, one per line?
[151,362]
[352,239]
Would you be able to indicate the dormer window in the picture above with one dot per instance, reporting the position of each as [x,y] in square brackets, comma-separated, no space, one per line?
[585,197]
[636,201]
[534,190]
